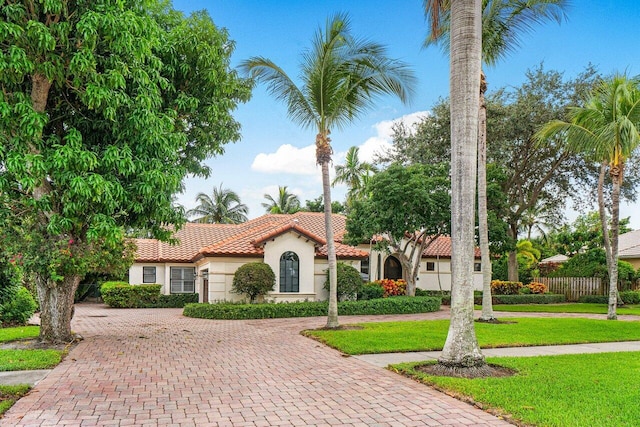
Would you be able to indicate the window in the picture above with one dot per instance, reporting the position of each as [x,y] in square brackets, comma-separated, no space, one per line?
[183,280]
[431,266]
[148,275]
[289,272]
[364,269]
[477,266]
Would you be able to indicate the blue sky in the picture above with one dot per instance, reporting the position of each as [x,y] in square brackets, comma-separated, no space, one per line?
[274,151]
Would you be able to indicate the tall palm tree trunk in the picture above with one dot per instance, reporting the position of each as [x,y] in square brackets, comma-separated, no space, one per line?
[461,349]
[323,156]
[483,225]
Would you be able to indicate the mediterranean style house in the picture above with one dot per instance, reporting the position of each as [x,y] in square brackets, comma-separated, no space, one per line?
[207,256]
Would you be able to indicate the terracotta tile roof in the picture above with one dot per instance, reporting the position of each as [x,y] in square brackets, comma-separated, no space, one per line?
[441,247]
[198,240]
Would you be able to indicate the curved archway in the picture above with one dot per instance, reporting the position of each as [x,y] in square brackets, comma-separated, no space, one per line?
[392,268]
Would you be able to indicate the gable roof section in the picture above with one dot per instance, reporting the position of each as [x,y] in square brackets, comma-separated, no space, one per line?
[441,247]
[629,245]
[246,239]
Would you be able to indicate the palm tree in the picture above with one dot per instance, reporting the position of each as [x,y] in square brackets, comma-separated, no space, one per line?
[502,23]
[222,207]
[607,130]
[354,173]
[340,77]
[284,203]
[461,349]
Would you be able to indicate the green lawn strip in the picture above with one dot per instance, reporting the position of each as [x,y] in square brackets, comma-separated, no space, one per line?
[21,360]
[569,390]
[427,335]
[20,332]
[564,308]
[9,394]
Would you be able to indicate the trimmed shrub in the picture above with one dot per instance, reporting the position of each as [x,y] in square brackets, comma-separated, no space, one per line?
[525,299]
[372,291]
[254,279]
[124,295]
[349,281]
[537,288]
[630,297]
[399,305]
[594,299]
[503,287]
[18,309]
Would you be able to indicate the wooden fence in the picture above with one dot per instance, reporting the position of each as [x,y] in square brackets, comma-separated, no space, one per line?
[574,287]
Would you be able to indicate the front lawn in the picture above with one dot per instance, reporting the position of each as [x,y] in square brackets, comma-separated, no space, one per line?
[19,333]
[23,360]
[9,394]
[564,391]
[564,308]
[427,335]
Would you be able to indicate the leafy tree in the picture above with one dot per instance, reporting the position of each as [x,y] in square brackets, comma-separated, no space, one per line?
[502,23]
[461,349]
[607,128]
[409,207]
[284,203]
[105,108]
[354,173]
[254,279]
[341,75]
[222,207]
[317,205]
[531,175]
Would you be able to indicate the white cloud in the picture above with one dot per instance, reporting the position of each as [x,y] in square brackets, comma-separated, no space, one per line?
[287,159]
[382,141]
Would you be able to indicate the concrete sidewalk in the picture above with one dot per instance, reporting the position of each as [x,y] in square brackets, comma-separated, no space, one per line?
[386,359]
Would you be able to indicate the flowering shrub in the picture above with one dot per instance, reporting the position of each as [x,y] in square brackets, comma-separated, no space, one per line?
[537,288]
[393,287]
[503,287]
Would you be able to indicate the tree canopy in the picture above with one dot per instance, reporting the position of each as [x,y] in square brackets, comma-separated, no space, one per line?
[105,107]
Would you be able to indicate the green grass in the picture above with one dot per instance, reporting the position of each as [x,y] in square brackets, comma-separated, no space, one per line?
[564,308]
[20,332]
[9,394]
[429,335]
[564,391]
[22,360]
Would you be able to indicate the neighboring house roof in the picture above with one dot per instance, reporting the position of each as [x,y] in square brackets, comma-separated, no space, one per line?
[629,245]
[246,239]
[559,258]
[441,248]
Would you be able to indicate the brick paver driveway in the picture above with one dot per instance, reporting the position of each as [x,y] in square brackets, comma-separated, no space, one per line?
[156,367]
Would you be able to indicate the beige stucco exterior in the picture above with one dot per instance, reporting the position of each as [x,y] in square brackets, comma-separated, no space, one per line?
[219,271]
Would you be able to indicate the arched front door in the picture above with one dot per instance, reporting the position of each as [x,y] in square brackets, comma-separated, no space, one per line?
[392,268]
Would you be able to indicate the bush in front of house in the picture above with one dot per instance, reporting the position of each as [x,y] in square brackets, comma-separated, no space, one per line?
[371,291]
[505,287]
[349,281]
[399,305]
[124,295]
[16,306]
[254,279]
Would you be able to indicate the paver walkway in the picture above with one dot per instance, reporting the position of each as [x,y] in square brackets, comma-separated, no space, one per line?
[155,367]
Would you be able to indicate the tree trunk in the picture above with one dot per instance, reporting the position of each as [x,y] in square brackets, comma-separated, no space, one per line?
[461,349]
[483,225]
[56,308]
[616,177]
[323,158]
[512,259]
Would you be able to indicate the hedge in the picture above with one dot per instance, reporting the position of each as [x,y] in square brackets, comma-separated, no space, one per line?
[124,295]
[628,297]
[395,305]
[525,299]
